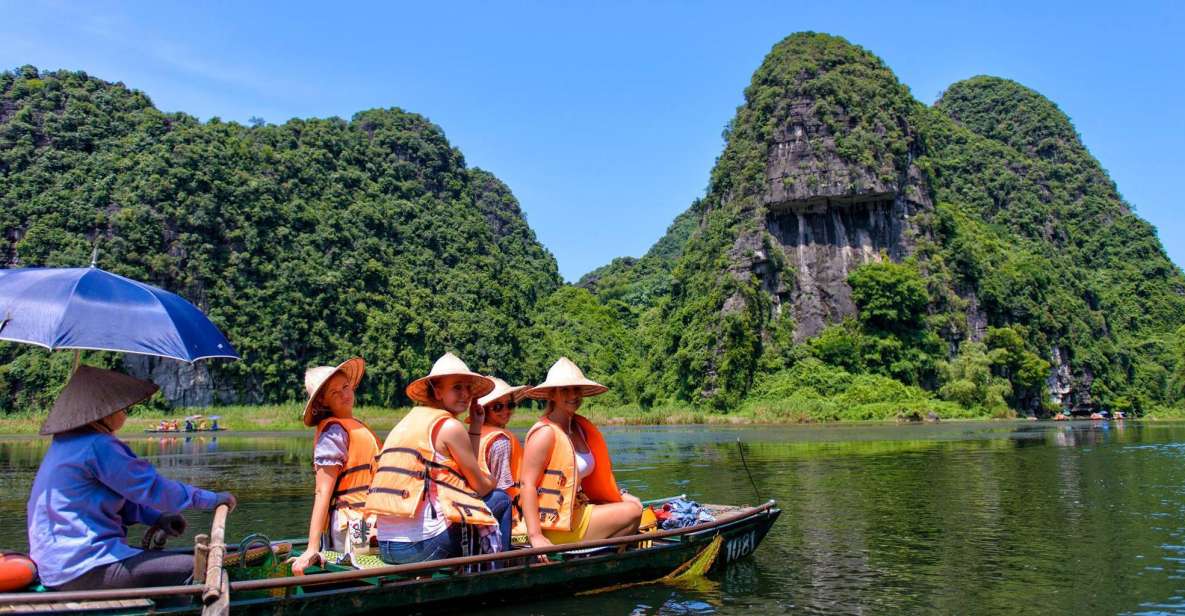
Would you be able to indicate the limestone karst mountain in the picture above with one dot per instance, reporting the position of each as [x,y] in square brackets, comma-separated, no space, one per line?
[1023,244]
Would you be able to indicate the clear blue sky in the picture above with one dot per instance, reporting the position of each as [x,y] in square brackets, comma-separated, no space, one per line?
[605,118]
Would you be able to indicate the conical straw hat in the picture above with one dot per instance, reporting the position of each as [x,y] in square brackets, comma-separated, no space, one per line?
[501,390]
[564,373]
[448,365]
[315,379]
[92,394]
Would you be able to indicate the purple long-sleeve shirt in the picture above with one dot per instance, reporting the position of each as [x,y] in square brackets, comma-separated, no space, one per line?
[89,489]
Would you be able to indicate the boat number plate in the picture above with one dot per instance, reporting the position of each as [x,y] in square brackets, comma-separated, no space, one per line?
[739,547]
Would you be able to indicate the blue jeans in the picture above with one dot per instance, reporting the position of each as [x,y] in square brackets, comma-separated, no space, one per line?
[499,504]
[444,545]
[448,543]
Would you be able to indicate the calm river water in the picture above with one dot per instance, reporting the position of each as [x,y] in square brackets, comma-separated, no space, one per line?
[963,518]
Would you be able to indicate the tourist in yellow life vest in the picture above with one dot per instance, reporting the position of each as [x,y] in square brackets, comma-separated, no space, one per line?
[499,452]
[568,490]
[344,452]
[429,490]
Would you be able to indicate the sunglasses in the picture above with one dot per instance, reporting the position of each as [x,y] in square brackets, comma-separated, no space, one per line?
[498,406]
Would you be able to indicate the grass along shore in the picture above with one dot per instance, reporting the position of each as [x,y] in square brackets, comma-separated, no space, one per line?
[286,417]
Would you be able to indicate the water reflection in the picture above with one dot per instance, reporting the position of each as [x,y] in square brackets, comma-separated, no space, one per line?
[1012,517]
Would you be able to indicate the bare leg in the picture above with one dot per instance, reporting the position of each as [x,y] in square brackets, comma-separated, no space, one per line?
[614,520]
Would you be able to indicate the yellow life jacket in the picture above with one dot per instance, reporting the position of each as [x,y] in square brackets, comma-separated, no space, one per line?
[353,481]
[489,435]
[558,487]
[406,468]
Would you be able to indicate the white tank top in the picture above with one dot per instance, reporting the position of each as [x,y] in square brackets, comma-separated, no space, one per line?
[585,461]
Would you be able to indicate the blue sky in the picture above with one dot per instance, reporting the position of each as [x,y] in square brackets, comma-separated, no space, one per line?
[605,118]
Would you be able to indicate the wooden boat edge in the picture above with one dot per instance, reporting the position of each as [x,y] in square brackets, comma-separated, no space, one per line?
[760,517]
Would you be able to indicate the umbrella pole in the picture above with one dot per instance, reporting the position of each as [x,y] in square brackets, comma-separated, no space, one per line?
[77,357]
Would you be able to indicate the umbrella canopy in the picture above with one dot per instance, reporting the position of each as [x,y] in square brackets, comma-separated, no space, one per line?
[88,308]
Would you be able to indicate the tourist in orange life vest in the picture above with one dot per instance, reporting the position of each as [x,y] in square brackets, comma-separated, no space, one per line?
[429,490]
[344,451]
[499,452]
[568,490]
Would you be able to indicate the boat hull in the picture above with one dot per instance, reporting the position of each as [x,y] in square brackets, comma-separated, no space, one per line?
[742,531]
[448,594]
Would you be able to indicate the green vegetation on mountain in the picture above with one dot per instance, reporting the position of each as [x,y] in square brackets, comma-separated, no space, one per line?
[1029,276]
[307,242]
[1006,273]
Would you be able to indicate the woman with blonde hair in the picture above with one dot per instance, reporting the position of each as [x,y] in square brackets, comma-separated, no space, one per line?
[344,450]
[429,489]
[568,492]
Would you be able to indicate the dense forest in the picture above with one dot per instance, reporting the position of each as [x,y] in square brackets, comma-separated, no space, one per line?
[857,254]
[306,242]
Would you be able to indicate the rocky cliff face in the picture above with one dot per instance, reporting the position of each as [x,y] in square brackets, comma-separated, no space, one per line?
[827,207]
[830,216]
[184,384]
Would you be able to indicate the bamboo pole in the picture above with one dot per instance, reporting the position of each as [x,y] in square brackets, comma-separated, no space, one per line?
[213,583]
[345,576]
[99,595]
[221,605]
[201,555]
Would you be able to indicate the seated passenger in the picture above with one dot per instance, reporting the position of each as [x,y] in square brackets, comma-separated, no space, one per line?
[569,493]
[499,452]
[344,450]
[428,489]
[91,487]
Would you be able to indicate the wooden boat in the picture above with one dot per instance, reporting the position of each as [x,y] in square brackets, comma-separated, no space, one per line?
[436,586]
[193,423]
[194,431]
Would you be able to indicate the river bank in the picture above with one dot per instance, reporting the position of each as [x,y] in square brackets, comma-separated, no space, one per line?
[286,417]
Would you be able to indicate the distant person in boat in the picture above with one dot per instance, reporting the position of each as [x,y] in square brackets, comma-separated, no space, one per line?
[569,493]
[344,451]
[499,452]
[91,487]
[431,496]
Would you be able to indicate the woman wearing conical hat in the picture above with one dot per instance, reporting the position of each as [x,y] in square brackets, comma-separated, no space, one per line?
[344,450]
[428,489]
[499,451]
[91,487]
[568,492]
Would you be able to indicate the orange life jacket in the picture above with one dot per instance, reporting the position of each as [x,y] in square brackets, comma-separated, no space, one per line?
[489,435]
[354,479]
[406,468]
[557,487]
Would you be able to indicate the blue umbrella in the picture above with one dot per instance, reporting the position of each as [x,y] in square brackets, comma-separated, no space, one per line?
[88,308]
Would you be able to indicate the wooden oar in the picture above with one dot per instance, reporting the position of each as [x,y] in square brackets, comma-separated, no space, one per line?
[215,582]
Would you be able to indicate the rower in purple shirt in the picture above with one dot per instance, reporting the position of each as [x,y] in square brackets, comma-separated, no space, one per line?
[91,488]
